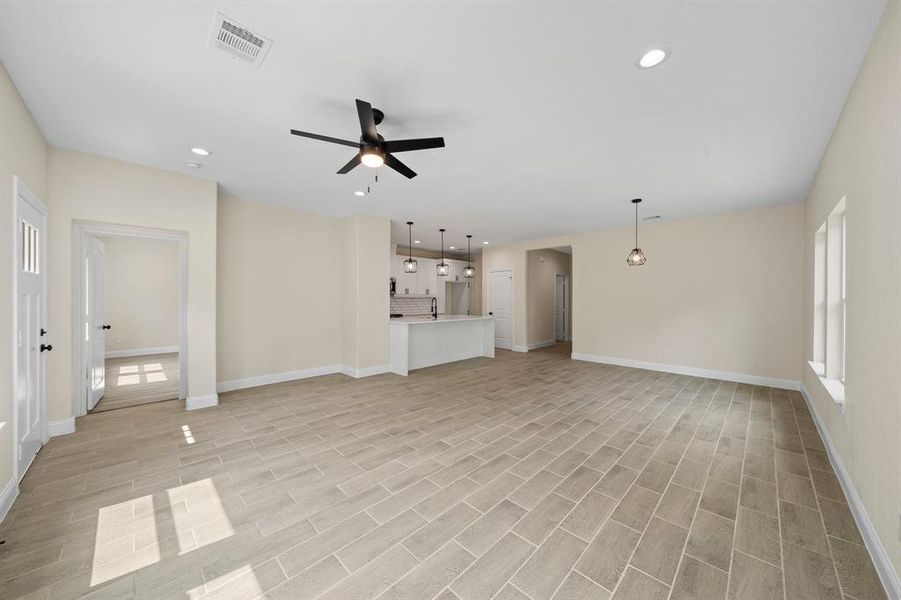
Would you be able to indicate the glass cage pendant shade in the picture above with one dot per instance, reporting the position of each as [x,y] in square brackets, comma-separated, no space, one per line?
[469,271]
[443,269]
[410,265]
[636,258]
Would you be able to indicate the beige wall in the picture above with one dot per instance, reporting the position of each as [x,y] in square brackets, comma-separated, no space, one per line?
[862,163]
[542,268]
[23,152]
[365,270]
[140,293]
[279,299]
[476,308]
[91,188]
[720,293]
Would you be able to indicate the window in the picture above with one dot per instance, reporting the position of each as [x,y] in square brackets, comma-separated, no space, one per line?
[830,301]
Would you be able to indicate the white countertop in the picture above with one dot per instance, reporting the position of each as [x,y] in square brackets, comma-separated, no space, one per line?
[419,320]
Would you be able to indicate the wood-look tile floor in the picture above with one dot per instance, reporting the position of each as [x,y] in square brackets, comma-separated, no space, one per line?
[527,477]
[137,380]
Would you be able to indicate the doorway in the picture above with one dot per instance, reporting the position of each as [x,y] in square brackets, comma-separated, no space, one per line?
[29,409]
[130,307]
[500,306]
[561,307]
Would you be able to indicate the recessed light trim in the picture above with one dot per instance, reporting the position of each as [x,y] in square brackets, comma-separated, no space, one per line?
[359,193]
[653,58]
[417,242]
[201,151]
[485,243]
[193,165]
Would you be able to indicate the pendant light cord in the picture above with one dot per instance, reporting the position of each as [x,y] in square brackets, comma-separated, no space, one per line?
[636,225]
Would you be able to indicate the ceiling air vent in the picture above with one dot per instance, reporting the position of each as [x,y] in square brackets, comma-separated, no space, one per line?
[238,40]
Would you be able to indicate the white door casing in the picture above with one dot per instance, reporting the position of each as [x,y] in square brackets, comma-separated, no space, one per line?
[500,306]
[30,413]
[95,334]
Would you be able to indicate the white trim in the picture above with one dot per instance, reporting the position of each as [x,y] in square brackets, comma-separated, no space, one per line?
[141,352]
[518,348]
[440,360]
[81,230]
[785,384]
[198,402]
[258,380]
[884,567]
[61,427]
[544,344]
[365,371]
[8,496]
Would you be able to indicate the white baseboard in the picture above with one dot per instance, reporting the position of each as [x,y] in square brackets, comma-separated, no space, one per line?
[544,344]
[432,362]
[785,384]
[198,402]
[258,380]
[878,553]
[141,351]
[8,496]
[61,427]
[518,348]
[365,371]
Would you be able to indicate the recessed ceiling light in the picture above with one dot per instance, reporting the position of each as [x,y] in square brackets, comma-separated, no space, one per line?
[452,247]
[652,58]
[200,152]
[193,165]
[417,242]
[485,243]
[359,193]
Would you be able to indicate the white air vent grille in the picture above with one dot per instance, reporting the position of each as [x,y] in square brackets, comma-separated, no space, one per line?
[238,40]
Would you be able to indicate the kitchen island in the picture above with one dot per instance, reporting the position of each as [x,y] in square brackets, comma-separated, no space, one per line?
[423,341]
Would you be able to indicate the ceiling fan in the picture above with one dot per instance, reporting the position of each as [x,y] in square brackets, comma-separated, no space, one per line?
[374,150]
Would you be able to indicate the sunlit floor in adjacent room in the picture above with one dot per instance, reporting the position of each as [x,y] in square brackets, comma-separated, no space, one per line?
[136,380]
[529,476]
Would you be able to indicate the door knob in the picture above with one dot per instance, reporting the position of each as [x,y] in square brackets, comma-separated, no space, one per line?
[46,347]
[106,327]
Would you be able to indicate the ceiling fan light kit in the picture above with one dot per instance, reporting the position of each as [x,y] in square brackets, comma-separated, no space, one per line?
[373,150]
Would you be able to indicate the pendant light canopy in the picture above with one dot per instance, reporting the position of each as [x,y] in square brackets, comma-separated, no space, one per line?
[410,263]
[442,267]
[469,271]
[636,257]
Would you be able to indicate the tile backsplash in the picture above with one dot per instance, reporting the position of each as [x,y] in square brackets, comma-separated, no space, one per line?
[409,305]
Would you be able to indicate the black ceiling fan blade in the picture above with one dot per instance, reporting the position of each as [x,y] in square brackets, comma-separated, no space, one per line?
[408,145]
[325,138]
[367,122]
[400,167]
[350,165]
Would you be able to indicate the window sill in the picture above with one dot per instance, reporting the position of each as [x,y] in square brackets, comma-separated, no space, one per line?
[834,387]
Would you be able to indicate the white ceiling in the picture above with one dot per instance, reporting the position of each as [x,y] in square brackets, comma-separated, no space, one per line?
[550,128]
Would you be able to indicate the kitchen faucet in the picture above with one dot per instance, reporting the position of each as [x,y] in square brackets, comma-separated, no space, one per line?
[434,308]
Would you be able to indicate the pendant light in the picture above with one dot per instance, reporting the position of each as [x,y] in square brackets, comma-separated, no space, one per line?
[443,267]
[410,263]
[636,257]
[469,271]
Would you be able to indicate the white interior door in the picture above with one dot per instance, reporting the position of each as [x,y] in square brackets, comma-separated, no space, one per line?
[560,307]
[500,306]
[95,325]
[31,416]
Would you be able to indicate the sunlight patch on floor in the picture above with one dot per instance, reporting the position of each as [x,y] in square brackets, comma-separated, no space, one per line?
[148,367]
[242,583]
[198,515]
[155,377]
[128,369]
[126,539]
[189,437]
[128,380]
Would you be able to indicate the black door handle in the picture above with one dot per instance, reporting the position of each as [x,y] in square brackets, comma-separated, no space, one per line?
[490,313]
[106,327]
[43,332]
[46,347]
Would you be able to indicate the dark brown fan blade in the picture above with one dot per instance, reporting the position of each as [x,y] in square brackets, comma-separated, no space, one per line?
[400,167]
[408,145]
[367,122]
[350,165]
[325,138]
